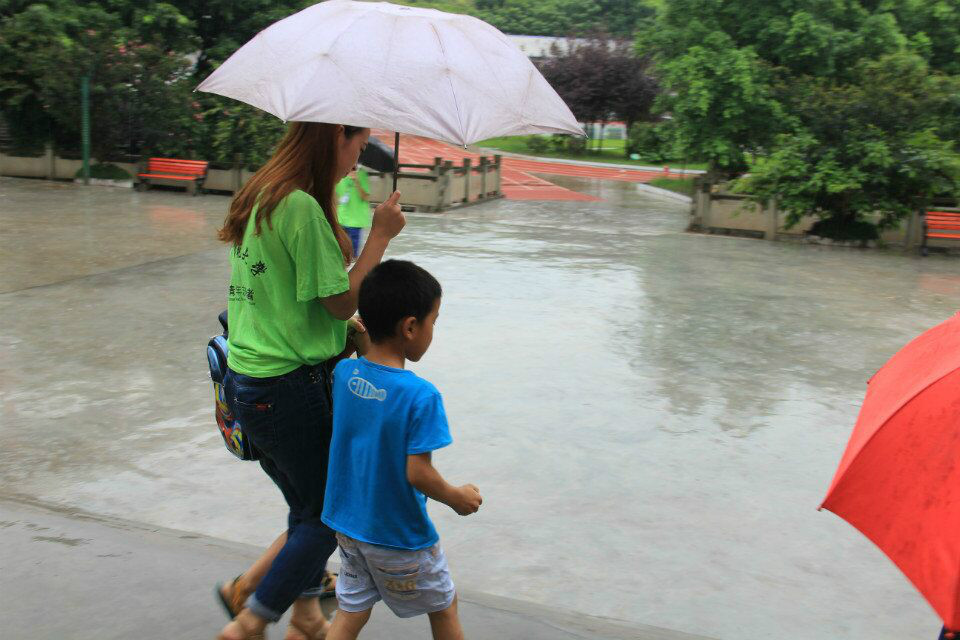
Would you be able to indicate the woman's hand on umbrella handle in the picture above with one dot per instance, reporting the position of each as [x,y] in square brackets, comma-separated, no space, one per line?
[388,219]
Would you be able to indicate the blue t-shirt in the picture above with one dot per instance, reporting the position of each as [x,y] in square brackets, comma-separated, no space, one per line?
[380,416]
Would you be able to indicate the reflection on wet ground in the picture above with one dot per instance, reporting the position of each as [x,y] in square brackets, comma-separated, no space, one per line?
[652,416]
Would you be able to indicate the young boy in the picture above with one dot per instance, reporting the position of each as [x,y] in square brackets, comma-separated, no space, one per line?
[386,423]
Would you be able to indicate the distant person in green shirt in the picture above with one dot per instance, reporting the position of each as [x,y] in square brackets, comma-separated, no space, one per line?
[289,301]
[353,200]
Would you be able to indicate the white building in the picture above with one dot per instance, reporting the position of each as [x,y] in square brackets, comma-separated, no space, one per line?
[538,47]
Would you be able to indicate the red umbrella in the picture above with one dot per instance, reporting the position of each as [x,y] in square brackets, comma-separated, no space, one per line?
[899,479]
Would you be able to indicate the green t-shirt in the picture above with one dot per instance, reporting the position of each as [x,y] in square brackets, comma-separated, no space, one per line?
[277,322]
[352,210]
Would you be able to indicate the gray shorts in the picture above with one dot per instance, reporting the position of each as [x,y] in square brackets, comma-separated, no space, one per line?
[411,583]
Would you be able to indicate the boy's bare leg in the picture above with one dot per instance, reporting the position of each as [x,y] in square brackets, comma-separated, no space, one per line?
[445,624]
[347,625]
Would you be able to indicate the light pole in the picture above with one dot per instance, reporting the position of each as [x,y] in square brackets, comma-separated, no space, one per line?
[85,125]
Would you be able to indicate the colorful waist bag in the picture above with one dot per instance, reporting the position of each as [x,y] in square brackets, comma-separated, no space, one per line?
[230,428]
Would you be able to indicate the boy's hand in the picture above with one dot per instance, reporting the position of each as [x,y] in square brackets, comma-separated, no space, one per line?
[357,334]
[466,500]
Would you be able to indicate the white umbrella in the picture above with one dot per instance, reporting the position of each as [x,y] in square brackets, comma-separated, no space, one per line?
[419,71]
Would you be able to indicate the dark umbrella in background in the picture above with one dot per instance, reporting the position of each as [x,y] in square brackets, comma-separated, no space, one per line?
[378,156]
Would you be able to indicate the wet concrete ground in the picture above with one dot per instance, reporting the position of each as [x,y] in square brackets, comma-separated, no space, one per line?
[652,416]
[154,583]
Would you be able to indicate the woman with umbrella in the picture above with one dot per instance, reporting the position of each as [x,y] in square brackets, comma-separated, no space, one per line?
[291,297]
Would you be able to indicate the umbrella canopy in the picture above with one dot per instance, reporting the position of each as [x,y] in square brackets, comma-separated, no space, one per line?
[419,71]
[899,478]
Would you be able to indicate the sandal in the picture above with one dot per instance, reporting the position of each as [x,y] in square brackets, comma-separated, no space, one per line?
[329,584]
[230,606]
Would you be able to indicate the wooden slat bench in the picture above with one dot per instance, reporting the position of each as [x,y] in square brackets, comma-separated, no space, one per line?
[189,173]
[943,225]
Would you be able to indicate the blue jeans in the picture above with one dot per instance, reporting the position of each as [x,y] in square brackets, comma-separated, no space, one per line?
[289,419]
[354,234]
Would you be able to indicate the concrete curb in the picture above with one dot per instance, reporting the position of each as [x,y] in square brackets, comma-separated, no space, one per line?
[664,193]
[103,182]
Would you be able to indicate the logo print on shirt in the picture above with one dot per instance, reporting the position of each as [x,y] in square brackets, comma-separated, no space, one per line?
[363,389]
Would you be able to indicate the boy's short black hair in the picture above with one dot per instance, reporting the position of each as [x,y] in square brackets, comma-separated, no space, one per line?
[392,291]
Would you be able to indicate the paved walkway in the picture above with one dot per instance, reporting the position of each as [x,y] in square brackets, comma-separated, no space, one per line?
[70,574]
[652,416]
[517,180]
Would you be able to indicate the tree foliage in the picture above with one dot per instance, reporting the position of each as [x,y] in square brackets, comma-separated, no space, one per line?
[846,107]
[602,79]
[874,146]
[143,59]
[551,17]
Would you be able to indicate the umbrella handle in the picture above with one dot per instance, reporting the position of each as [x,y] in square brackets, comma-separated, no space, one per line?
[396,159]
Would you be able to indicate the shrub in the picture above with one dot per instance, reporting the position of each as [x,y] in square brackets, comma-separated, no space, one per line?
[576,145]
[105,171]
[537,144]
[650,141]
[838,228]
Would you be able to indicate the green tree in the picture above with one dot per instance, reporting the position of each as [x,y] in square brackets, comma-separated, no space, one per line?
[933,29]
[223,26]
[24,32]
[236,130]
[542,17]
[846,106]
[620,18]
[139,88]
[721,102]
[226,129]
[876,146]
[601,79]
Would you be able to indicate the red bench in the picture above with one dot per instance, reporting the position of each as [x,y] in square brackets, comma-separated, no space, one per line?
[174,171]
[944,225]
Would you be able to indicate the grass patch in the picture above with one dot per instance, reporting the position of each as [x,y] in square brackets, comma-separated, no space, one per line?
[679,185]
[612,152]
[105,171]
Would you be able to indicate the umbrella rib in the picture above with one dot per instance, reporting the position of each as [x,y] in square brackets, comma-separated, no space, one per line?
[526,95]
[490,67]
[453,94]
[307,85]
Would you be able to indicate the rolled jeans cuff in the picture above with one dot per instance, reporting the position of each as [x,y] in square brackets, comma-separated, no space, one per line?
[257,608]
[313,592]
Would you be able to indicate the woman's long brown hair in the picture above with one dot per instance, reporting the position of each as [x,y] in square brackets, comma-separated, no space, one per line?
[306,159]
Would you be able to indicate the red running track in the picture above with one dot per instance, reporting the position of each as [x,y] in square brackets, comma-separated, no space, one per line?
[516,178]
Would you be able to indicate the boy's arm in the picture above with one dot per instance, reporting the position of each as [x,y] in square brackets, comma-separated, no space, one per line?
[363,184]
[357,341]
[428,481]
